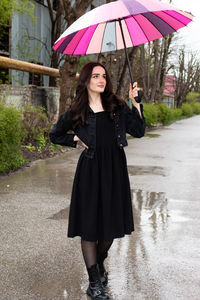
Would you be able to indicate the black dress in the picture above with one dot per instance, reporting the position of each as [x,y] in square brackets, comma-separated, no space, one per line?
[101,207]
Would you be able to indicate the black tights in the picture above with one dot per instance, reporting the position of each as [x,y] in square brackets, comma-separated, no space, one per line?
[92,250]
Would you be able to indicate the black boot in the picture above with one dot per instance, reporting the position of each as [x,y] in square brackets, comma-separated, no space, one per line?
[96,290]
[102,271]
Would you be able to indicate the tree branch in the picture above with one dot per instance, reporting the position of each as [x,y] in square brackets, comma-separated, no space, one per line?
[50,10]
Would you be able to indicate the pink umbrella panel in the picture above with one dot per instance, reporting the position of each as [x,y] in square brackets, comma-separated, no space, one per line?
[139,24]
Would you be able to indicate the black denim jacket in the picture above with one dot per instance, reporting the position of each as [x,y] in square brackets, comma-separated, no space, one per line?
[126,121]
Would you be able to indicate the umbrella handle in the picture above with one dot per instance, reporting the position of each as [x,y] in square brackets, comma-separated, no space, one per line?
[139,97]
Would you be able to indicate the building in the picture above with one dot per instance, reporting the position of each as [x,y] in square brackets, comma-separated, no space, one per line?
[30,41]
[169,91]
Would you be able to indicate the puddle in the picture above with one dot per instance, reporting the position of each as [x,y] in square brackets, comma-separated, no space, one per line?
[142,170]
[140,252]
[143,201]
[150,208]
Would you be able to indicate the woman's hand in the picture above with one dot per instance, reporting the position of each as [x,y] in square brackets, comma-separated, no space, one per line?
[76,139]
[133,92]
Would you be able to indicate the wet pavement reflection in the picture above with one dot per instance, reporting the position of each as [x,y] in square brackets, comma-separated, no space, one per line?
[160,260]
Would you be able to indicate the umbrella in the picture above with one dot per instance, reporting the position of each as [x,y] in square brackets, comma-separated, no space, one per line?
[121,24]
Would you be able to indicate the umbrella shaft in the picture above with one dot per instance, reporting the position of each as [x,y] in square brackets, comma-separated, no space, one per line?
[127,58]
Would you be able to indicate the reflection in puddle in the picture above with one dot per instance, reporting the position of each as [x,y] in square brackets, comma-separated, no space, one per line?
[136,251]
[150,209]
[141,170]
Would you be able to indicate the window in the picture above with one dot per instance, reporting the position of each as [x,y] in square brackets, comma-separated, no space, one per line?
[4,51]
[36,79]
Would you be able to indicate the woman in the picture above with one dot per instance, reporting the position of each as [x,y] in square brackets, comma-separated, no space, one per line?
[101,208]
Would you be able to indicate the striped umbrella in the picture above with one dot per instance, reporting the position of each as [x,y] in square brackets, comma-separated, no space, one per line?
[121,24]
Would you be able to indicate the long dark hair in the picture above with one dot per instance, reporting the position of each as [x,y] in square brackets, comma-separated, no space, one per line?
[80,104]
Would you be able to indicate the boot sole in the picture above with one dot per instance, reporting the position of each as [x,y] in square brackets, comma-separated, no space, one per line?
[90,295]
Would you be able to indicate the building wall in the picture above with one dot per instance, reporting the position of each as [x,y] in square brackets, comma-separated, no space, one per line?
[169,101]
[32,49]
[20,96]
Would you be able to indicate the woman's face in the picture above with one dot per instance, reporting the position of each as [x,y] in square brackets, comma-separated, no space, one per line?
[97,82]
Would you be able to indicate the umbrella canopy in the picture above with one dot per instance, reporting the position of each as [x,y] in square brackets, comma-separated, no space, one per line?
[141,21]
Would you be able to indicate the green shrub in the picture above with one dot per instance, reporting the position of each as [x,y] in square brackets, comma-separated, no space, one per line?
[196,107]
[150,114]
[192,97]
[54,147]
[10,138]
[29,147]
[164,115]
[187,110]
[35,126]
[176,113]
[155,114]
[26,130]
[41,141]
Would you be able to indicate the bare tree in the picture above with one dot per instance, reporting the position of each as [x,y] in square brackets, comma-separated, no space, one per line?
[154,66]
[56,17]
[196,85]
[165,54]
[69,68]
[65,11]
[146,65]
[124,78]
[187,74]
[116,64]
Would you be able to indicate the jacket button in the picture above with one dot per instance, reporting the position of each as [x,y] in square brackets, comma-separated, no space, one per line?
[121,145]
[114,114]
[118,136]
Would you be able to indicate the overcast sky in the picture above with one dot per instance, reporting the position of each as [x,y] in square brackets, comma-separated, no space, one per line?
[189,35]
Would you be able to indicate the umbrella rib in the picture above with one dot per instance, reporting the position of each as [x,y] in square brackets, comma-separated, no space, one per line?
[165,22]
[127,58]
[91,39]
[103,37]
[140,28]
[165,12]
[80,41]
[157,27]
[116,34]
[128,31]
[153,24]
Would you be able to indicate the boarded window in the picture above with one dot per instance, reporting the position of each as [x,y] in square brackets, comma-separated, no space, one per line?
[36,79]
[4,51]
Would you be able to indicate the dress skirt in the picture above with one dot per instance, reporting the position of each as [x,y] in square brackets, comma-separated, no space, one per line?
[101,207]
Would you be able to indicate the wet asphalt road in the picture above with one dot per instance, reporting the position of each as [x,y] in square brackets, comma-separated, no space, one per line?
[161,260]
